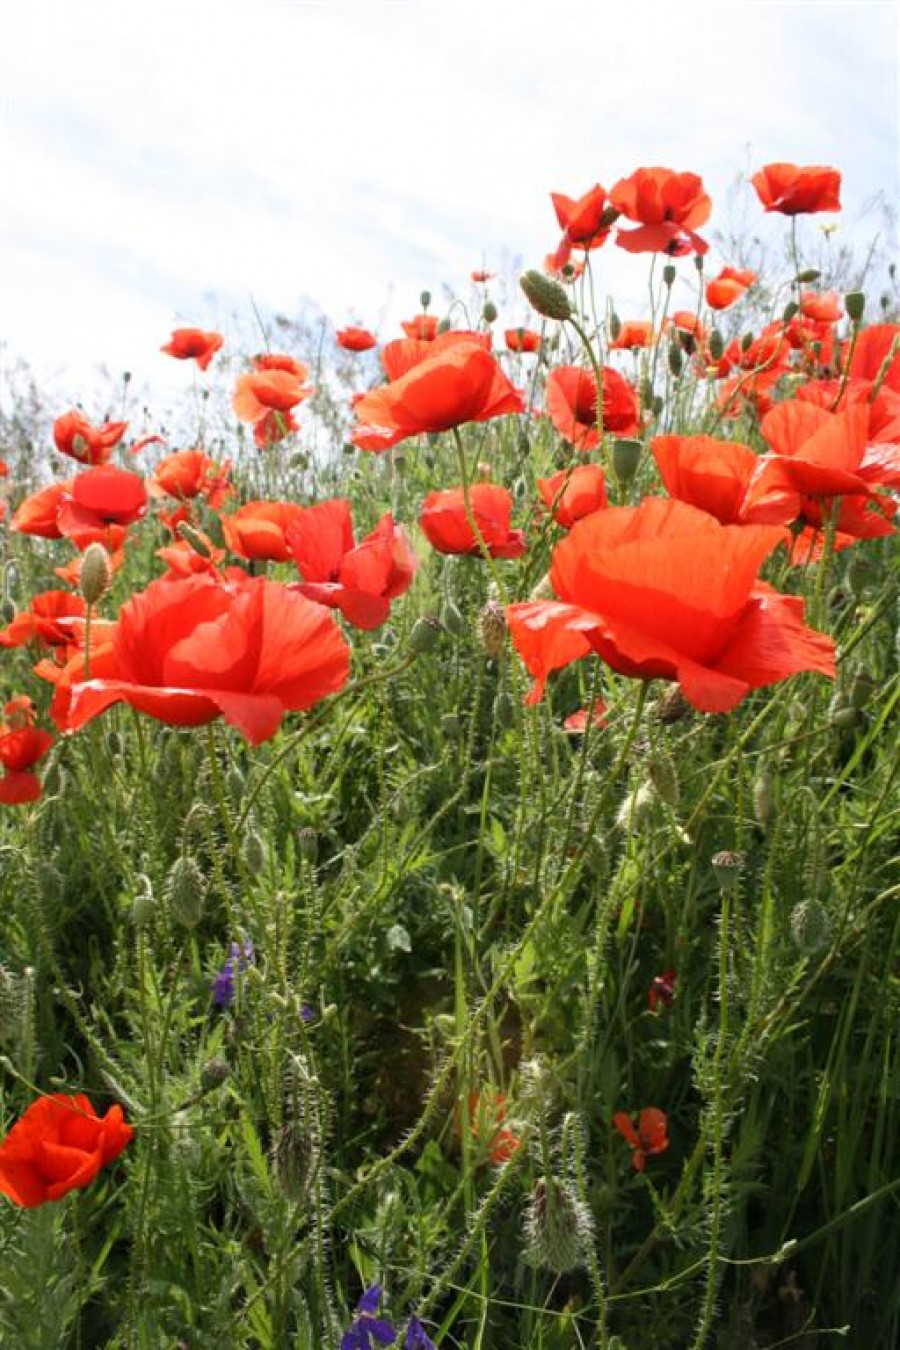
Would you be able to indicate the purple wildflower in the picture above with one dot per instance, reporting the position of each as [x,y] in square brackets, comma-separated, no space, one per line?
[223,983]
[417,1337]
[366,1328]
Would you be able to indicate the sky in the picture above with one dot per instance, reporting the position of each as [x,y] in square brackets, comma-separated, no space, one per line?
[191,163]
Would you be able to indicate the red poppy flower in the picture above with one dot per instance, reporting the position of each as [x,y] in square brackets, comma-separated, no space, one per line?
[193,344]
[446,525]
[190,650]
[461,382]
[278,361]
[713,476]
[585,221]
[356,339]
[191,473]
[183,559]
[98,499]
[20,747]
[400,356]
[729,286]
[662,990]
[633,333]
[274,428]
[75,436]
[594,716]
[662,590]
[487,1112]
[19,712]
[423,326]
[685,322]
[570,401]
[872,351]
[37,514]
[480,278]
[265,391]
[650,1136]
[794,190]
[522,340]
[46,620]
[360,580]
[258,530]
[668,208]
[821,306]
[59,1145]
[573,493]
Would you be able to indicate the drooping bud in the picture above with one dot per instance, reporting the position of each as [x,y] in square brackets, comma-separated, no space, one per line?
[669,274]
[558,1225]
[805,278]
[626,456]
[545,296]
[855,304]
[504,709]
[452,619]
[295,1151]
[185,892]
[492,630]
[95,574]
[746,342]
[672,706]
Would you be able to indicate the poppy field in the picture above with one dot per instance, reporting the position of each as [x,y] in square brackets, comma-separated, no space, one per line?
[449,816]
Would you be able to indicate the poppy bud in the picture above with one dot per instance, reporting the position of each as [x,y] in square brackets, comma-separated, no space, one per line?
[790,309]
[425,633]
[615,325]
[452,619]
[672,706]
[8,610]
[855,304]
[545,296]
[185,890]
[492,630]
[698,262]
[746,342]
[143,906]
[444,326]
[195,539]
[727,867]
[558,1226]
[626,456]
[810,926]
[764,796]
[676,360]
[95,574]
[254,852]
[664,777]
[716,345]
[308,843]
[811,274]
[845,718]
[236,782]
[213,1074]
[489,311]
[13,1006]
[425,299]
[669,274]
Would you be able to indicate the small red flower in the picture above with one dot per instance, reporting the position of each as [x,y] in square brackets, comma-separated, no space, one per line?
[650,1136]
[59,1145]
[269,390]
[570,400]
[356,339]
[279,361]
[446,525]
[662,990]
[573,493]
[729,286]
[76,437]
[633,333]
[191,473]
[585,221]
[522,340]
[794,190]
[47,620]
[193,344]
[98,499]
[594,716]
[37,514]
[821,306]
[20,748]
[258,530]
[487,1112]
[423,326]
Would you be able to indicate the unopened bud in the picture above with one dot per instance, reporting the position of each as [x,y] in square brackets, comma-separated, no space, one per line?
[95,574]
[185,889]
[669,274]
[676,360]
[545,296]
[425,299]
[811,274]
[615,325]
[855,304]
[425,633]
[143,905]
[790,309]
[444,326]
[8,610]
[764,797]
[504,709]
[626,456]
[213,1074]
[716,345]
[558,1225]
[810,926]
[195,539]
[308,843]
[452,619]
[489,311]
[254,852]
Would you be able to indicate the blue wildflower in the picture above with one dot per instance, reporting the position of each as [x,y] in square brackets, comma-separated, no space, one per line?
[223,983]
[417,1337]
[366,1329]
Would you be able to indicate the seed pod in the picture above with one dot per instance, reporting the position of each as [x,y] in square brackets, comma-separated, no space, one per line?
[213,1074]
[425,632]
[728,866]
[186,891]
[492,630]
[545,296]
[308,843]
[626,456]
[855,304]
